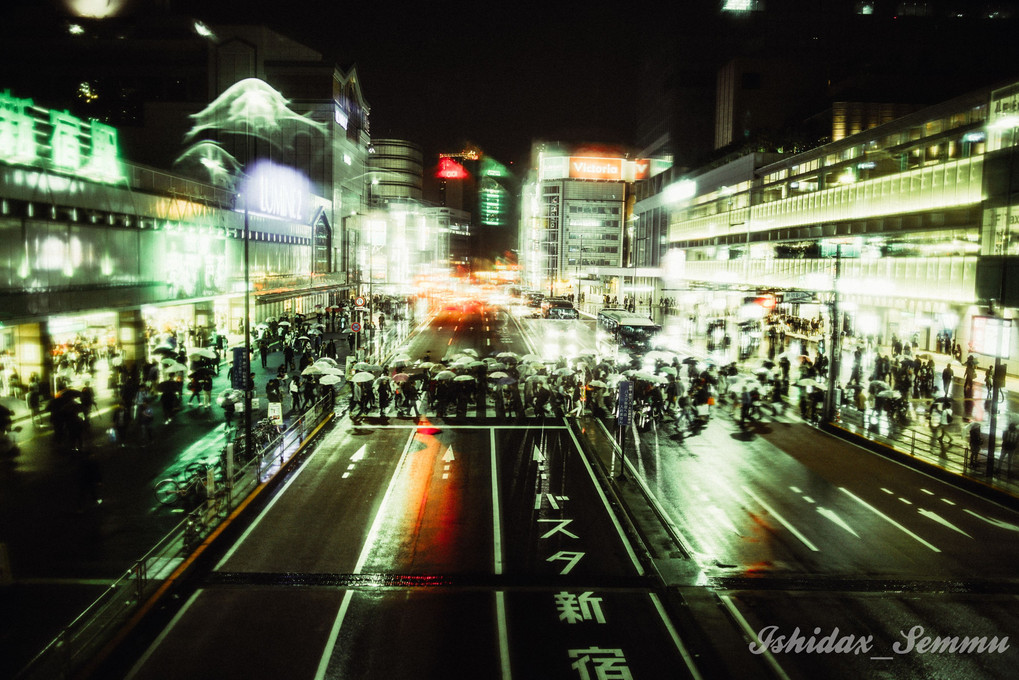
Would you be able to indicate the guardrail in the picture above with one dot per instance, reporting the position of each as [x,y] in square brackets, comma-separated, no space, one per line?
[98,625]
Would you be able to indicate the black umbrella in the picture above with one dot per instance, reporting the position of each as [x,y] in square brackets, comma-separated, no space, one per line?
[167,385]
[201,373]
[165,351]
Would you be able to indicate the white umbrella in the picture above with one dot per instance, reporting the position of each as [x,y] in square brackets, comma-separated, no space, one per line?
[597,383]
[445,375]
[564,371]
[472,352]
[463,378]
[497,374]
[507,355]
[331,370]
[531,357]
[313,370]
[330,379]
[284,323]
[176,368]
[363,376]
[362,366]
[315,331]
[327,361]
[304,337]
[204,352]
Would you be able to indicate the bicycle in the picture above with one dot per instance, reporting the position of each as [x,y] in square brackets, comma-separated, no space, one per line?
[172,491]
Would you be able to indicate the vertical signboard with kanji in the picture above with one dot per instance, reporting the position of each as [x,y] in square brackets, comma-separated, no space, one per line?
[241,369]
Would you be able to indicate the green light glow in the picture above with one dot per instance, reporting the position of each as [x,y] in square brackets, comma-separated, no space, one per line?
[67,147]
[17,129]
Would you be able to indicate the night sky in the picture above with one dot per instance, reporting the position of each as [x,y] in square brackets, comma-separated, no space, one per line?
[494,74]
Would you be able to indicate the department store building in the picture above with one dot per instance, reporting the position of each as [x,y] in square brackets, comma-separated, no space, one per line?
[915,211]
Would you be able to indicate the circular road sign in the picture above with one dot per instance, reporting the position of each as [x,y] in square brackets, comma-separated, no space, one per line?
[356,327]
[359,301]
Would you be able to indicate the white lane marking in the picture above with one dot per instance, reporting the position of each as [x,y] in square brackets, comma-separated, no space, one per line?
[905,501]
[265,511]
[795,489]
[887,518]
[334,634]
[496,512]
[833,516]
[781,519]
[941,520]
[929,493]
[809,499]
[504,654]
[996,522]
[945,500]
[162,636]
[888,491]
[752,634]
[608,508]
[366,549]
[687,657]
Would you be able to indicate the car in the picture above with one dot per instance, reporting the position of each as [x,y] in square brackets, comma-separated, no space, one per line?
[554,303]
[563,313]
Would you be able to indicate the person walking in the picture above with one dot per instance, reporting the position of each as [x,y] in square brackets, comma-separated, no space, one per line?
[947,376]
[976,442]
[1008,445]
[295,393]
[229,408]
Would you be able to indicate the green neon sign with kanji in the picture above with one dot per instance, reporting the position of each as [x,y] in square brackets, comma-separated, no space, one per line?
[57,140]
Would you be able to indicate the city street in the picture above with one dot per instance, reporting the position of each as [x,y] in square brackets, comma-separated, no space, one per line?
[434,547]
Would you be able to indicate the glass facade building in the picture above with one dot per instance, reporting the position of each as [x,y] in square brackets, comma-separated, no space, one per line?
[911,207]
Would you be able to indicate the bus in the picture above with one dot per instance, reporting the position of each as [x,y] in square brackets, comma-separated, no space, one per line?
[619,328]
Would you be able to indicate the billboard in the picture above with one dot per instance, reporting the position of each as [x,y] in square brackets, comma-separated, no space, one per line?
[596,168]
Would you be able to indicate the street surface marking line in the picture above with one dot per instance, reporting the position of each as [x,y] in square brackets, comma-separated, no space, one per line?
[334,632]
[608,508]
[496,509]
[687,658]
[162,636]
[504,654]
[781,519]
[265,511]
[887,518]
[752,634]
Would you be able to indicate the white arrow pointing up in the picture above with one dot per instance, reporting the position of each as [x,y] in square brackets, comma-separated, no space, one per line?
[538,455]
[360,454]
[448,456]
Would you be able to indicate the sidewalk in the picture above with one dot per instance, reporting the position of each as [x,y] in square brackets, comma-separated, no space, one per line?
[60,548]
[914,442]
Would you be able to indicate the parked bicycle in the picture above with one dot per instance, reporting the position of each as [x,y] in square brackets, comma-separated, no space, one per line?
[190,487]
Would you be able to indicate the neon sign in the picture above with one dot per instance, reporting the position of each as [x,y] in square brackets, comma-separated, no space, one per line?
[68,145]
[450,169]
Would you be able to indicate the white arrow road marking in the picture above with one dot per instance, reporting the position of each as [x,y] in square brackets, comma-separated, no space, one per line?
[358,456]
[781,519]
[830,514]
[887,518]
[996,522]
[941,520]
[447,458]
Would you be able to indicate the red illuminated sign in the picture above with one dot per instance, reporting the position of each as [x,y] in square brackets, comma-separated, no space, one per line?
[450,169]
[641,169]
[596,168]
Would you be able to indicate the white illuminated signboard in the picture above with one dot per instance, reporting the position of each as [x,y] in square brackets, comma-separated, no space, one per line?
[991,336]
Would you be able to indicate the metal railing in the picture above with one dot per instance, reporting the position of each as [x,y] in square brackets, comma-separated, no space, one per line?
[97,626]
